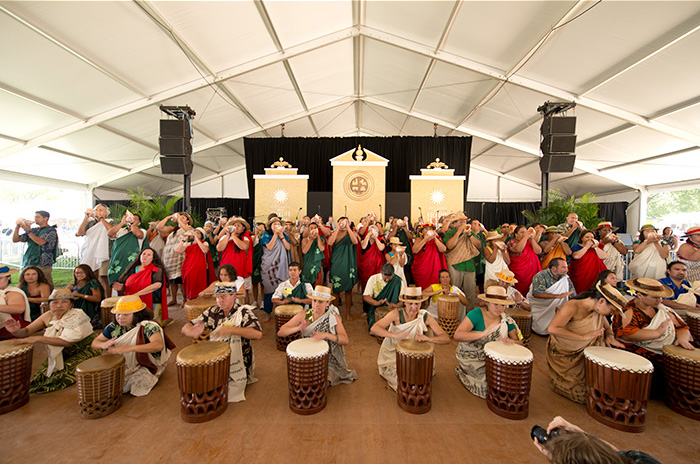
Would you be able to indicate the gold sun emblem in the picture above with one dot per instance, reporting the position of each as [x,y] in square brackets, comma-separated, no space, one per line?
[437,197]
[280,196]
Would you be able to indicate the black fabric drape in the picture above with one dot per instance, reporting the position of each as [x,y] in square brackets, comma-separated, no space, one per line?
[406,155]
[614,212]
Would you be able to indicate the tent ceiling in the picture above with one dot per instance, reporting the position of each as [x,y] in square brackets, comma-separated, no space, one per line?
[81,84]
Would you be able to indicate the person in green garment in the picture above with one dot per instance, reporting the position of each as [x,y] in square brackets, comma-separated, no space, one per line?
[312,248]
[343,276]
[129,240]
[42,243]
[88,292]
[383,289]
[571,229]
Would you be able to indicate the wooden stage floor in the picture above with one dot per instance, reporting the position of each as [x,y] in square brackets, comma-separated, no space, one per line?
[361,423]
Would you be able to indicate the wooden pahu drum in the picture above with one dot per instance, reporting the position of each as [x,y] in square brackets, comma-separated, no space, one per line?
[693,321]
[15,374]
[414,370]
[524,321]
[379,313]
[307,371]
[202,375]
[682,377]
[283,314]
[508,379]
[100,385]
[448,313]
[193,308]
[618,384]
[106,310]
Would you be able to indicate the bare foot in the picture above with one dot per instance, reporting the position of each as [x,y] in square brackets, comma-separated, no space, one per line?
[172,303]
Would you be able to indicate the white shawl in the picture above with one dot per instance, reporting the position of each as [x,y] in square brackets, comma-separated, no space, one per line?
[656,345]
[3,302]
[72,327]
[387,353]
[544,309]
[138,379]
[95,249]
[648,263]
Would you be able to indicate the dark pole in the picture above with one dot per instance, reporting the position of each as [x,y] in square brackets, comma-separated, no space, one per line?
[545,188]
[186,187]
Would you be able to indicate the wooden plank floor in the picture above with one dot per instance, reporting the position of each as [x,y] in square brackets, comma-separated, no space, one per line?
[361,422]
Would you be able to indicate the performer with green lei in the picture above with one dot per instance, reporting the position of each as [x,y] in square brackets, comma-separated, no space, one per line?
[312,248]
[344,275]
[383,289]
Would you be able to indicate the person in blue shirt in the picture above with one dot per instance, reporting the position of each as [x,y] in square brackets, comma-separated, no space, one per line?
[676,273]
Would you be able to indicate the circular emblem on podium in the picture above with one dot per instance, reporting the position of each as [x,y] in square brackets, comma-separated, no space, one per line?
[359,185]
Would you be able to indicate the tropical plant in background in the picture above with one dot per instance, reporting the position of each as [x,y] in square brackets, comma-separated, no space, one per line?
[560,206]
[150,208]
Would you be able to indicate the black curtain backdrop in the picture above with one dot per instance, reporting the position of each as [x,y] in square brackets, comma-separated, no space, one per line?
[406,155]
[614,212]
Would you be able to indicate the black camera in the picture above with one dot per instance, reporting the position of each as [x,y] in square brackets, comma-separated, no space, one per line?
[541,433]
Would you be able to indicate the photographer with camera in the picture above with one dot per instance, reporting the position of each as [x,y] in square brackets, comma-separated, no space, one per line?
[564,443]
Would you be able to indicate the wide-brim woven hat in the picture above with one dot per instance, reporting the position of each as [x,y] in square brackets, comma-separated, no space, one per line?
[611,294]
[6,271]
[649,287]
[692,231]
[606,224]
[62,294]
[413,295]
[507,276]
[128,304]
[497,295]
[321,293]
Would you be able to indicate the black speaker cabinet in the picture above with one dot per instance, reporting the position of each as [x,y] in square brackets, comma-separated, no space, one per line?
[175,146]
[557,143]
[558,125]
[558,163]
[175,128]
[175,165]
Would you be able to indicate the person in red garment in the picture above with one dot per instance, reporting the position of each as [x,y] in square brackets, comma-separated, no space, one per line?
[587,261]
[147,278]
[236,249]
[370,254]
[428,256]
[524,263]
[198,266]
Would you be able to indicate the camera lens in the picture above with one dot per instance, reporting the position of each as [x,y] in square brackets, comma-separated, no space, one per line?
[540,433]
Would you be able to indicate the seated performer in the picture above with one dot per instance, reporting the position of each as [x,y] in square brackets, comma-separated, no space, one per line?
[146,277]
[578,324]
[235,325]
[404,323]
[550,289]
[67,336]
[675,280]
[383,289]
[13,302]
[34,284]
[507,280]
[483,325]
[142,342]
[226,273]
[587,261]
[323,322]
[648,325]
[444,287]
[293,290]
[88,291]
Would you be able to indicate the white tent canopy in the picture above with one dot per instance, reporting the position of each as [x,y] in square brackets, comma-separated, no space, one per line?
[81,84]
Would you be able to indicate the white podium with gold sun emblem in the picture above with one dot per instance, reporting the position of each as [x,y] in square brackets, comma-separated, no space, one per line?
[280,190]
[436,192]
[359,184]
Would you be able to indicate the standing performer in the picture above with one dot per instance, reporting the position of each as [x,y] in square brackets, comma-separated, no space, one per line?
[234,245]
[496,257]
[343,274]
[312,247]
[649,255]
[198,266]
[613,248]
[42,243]
[396,256]
[587,261]
[323,322]
[400,228]
[173,261]
[428,256]
[370,258]
[553,246]
[571,229]
[524,263]
[128,242]
[275,261]
[95,250]
[463,247]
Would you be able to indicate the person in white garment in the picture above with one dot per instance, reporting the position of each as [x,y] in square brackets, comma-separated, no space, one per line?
[550,289]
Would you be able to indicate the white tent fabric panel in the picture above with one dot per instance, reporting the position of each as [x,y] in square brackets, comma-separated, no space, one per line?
[28,119]
[687,119]
[515,191]
[334,121]
[421,22]
[299,22]
[54,165]
[482,186]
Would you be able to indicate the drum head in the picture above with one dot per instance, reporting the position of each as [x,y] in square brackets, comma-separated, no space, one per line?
[680,352]
[288,310]
[307,348]
[203,303]
[618,359]
[8,348]
[413,347]
[203,353]
[381,312]
[100,363]
[448,299]
[509,354]
[692,314]
[110,302]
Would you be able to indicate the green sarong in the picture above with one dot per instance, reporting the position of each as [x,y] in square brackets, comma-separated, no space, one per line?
[391,291]
[343,265]
[300,290]
[313,263]
[91,309]
[257,264]
[72,356]
[32,256]
[125,250]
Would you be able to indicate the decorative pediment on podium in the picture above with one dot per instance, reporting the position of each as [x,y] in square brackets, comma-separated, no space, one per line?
[281,168]
[359,156]
[437,168]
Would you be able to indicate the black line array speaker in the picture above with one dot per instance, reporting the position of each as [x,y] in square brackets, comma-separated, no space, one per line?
[558,144]
[176,165]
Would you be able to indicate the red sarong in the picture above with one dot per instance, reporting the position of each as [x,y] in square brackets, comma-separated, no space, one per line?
[369,262]
[584,271]
[427,264]
[142,279]
[241,260]
[525,266]
[197,271]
